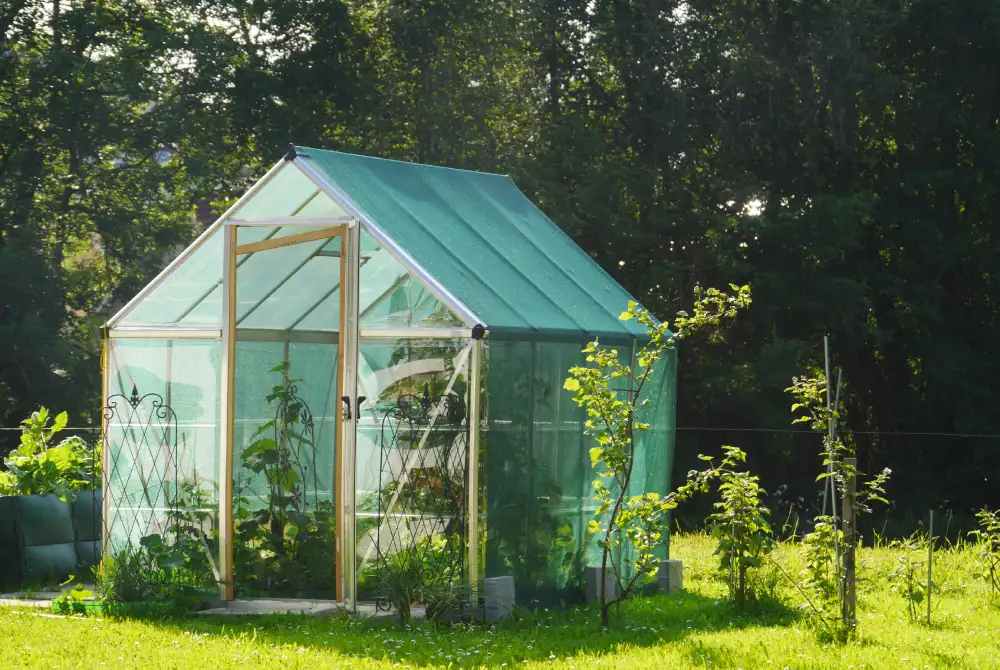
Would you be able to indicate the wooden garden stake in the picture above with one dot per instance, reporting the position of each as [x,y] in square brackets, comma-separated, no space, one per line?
[930,561]
[847,509]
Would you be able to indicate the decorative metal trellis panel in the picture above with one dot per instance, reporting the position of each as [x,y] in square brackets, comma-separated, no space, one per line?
[140,435]
[421,507]
[293,434]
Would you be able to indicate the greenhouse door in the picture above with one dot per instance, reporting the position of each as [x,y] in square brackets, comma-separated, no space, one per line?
[290,410]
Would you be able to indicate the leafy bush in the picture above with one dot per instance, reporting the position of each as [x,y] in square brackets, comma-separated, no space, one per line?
[989,548]
[908,579]
[741,528]
[401,582]
[37,467]
[827,580]
[126,576]
[150,572]
[622,520]
[426,574]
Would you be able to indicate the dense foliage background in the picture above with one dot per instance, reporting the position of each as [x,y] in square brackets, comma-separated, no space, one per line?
[841,156]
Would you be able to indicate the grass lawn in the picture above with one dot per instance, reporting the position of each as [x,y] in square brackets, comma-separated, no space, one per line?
[694,629]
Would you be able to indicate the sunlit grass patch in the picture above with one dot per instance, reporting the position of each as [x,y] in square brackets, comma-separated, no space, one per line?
[697,628]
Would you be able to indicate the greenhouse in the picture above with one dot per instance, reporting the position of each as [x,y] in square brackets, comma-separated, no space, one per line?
[356,371]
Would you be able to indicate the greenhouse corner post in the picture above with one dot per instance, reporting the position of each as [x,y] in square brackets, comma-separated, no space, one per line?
[472,486]
[105,442]
[226,407]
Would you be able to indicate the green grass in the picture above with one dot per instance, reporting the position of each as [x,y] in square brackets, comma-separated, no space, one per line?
[694,629]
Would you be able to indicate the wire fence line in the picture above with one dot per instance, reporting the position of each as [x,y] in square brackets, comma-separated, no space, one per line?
[713,429]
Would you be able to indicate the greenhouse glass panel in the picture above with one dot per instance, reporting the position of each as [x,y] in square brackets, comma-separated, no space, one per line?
[173,300]
[412,459]
[538,473]
[278,288]
[539,478]
[162,440]
[288,193]
[391,297]
[283,470]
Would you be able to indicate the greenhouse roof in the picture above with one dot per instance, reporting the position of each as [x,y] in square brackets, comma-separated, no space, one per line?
[480,237]
[465,247]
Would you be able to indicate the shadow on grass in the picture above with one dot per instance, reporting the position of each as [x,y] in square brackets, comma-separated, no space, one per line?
[536,636]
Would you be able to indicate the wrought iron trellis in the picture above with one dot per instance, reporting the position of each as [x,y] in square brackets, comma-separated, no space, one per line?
[140,436]
[422,492]
[296,451]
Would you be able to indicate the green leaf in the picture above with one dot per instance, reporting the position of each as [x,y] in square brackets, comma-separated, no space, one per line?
[80,593]
[572,384]
[626,316]
[153,541]
[171,561]
[60,423]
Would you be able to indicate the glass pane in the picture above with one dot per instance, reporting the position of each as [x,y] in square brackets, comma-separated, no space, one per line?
[178,298]
[325,316]
[248,234]
[536,465]
[316,285]
[655,447]
[163,432]
[412,460]
[392,298]
[284,469]
[288,193]
[317,313]
[538,473]
[276,288]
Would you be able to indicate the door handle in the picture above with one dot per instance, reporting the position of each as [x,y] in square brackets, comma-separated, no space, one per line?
[357,405]
[347,407]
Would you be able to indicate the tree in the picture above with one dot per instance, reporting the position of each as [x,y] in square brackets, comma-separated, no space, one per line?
[624,517]
[87,207]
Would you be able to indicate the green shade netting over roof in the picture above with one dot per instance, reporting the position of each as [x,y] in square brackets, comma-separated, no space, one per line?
[483,240]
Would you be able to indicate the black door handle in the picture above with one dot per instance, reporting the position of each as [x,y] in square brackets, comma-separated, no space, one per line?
[347,407]
[361,399]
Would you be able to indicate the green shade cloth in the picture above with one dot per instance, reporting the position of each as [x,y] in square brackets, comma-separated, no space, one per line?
[483,240]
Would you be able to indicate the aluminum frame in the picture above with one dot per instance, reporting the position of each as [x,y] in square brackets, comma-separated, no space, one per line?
[278,221]
[165,333]
[226,413]
[106,356]
[348,436]
[472,486]
[417,333]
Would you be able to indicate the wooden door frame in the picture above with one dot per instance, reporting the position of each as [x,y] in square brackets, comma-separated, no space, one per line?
[226,522]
